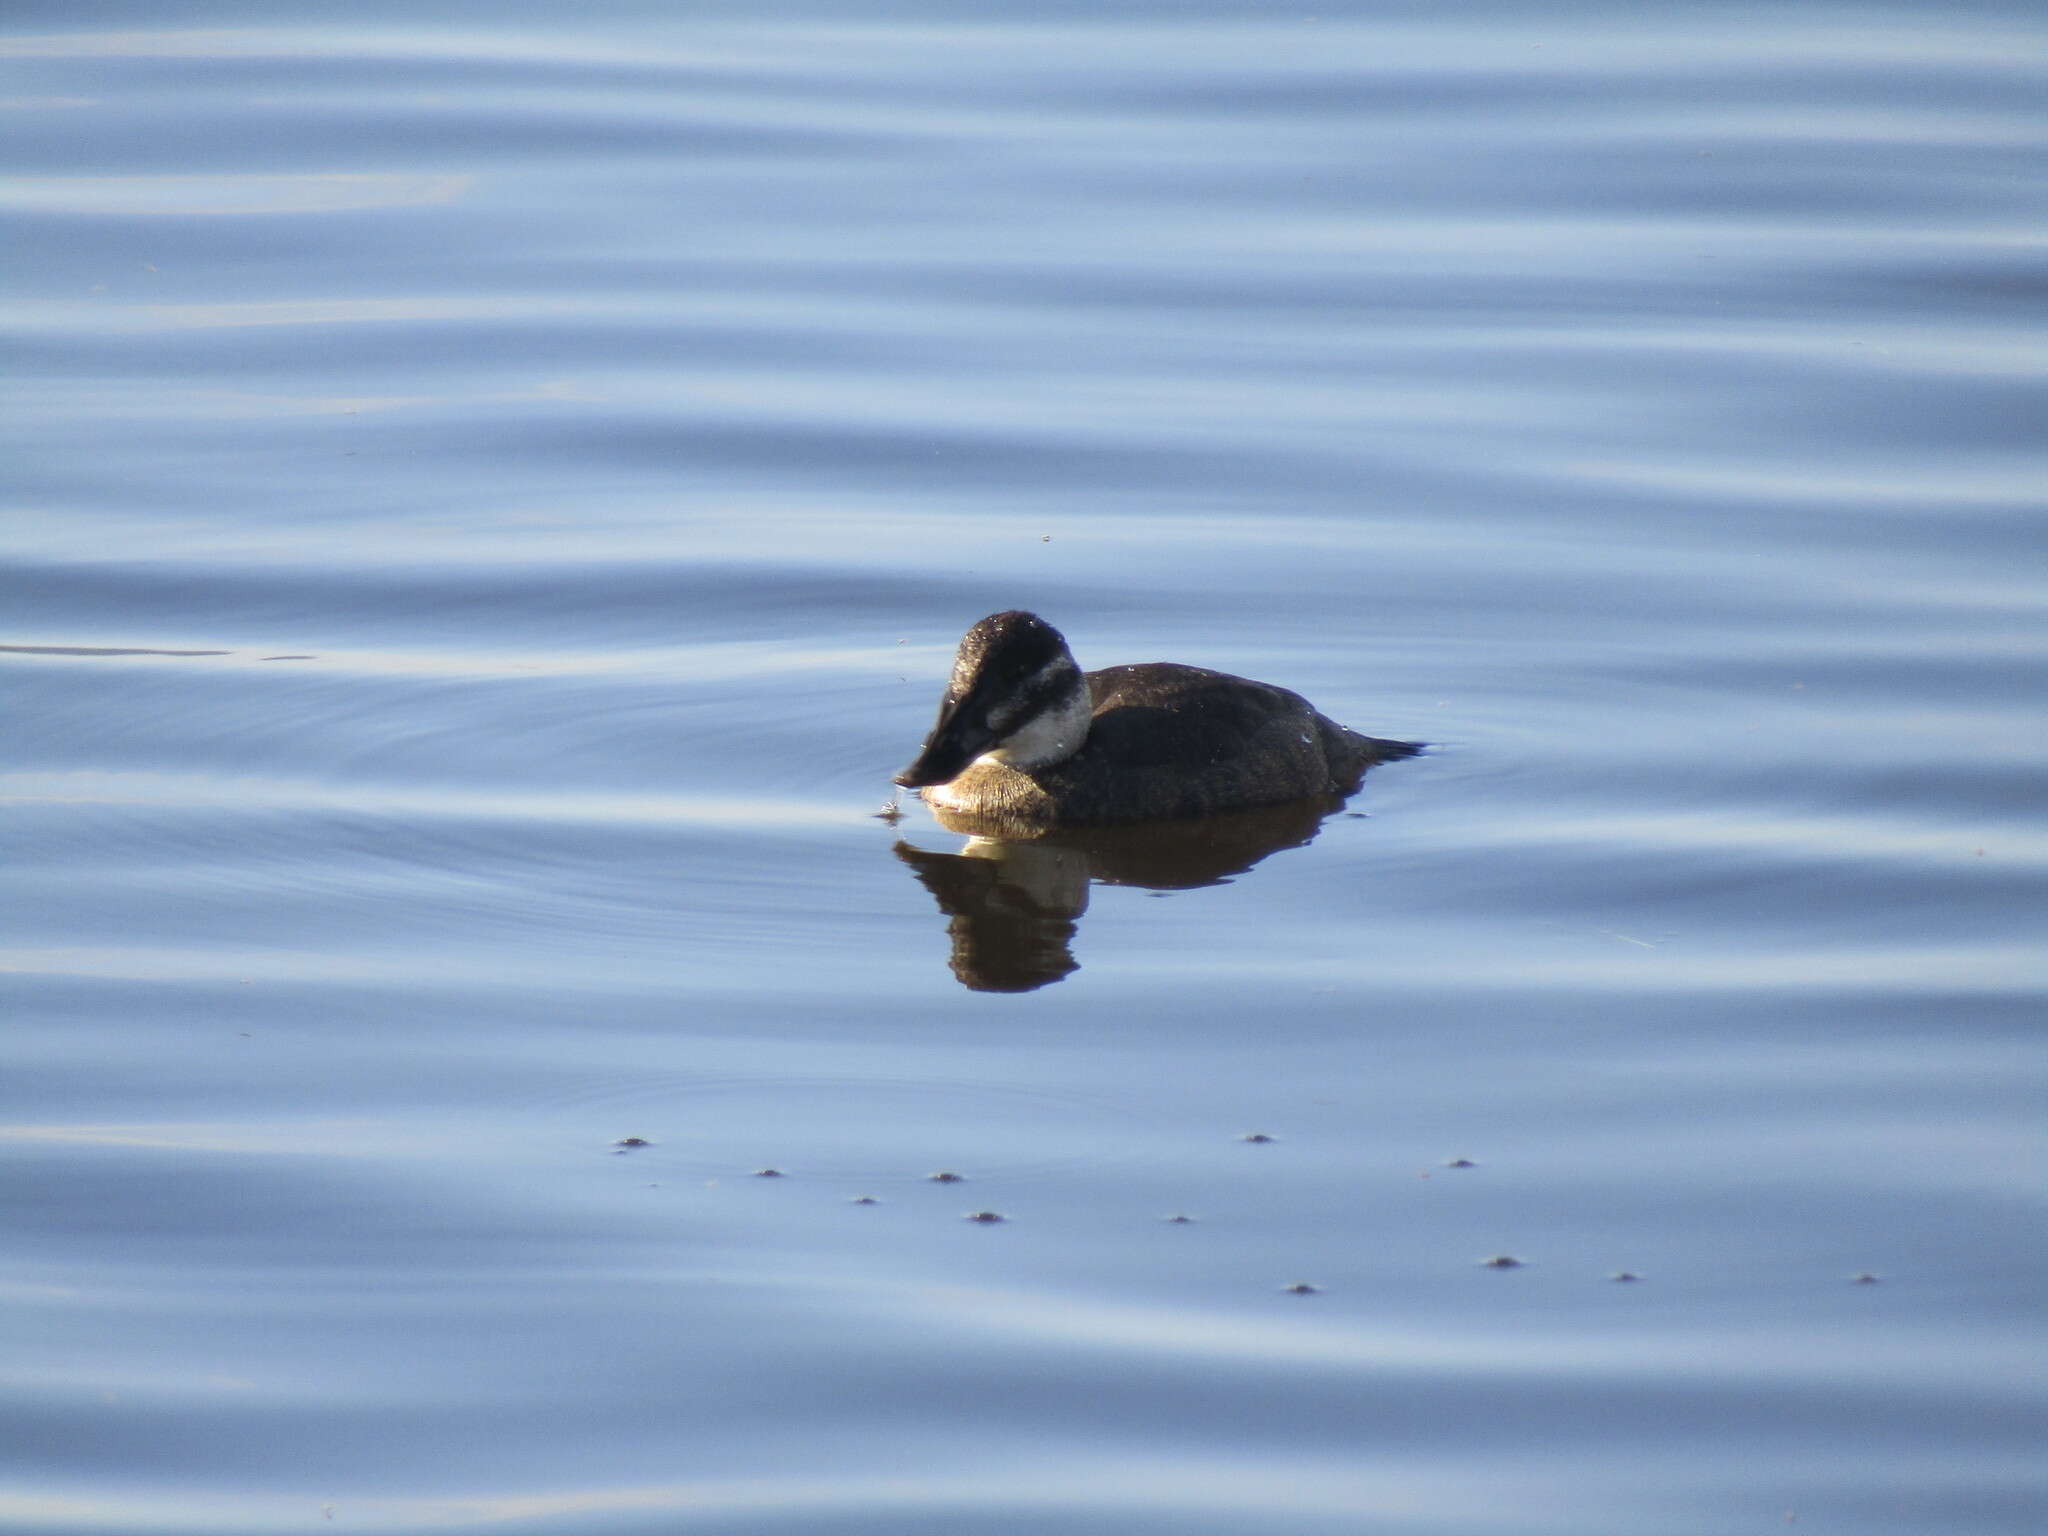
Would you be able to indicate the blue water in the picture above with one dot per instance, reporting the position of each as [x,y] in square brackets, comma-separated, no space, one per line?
[493,495]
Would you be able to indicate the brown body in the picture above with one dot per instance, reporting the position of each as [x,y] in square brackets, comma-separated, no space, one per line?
[1166,741]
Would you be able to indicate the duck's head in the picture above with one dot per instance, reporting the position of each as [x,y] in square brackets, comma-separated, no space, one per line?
[1015,698]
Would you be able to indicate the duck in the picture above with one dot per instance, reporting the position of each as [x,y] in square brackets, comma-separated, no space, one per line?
[1025,738]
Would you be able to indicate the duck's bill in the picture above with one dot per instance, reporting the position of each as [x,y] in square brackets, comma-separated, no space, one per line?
[954,742]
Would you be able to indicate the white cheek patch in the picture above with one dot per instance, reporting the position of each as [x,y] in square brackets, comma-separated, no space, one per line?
[1041,691]
[1055,732]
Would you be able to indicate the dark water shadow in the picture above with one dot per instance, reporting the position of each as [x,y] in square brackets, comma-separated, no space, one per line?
[110,650]
[1013,901]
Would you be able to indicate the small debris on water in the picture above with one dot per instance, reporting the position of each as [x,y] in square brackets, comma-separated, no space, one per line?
[1177,1219]
[1256,1138]
[1502,1261]
[1302,1288]
[864,1200]
[768,1173]
[629,1143]
[986,1217]
[947,1176]
[1461,1162]
[1624,1277]
[1866,1278]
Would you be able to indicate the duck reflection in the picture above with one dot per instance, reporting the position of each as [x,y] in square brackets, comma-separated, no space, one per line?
[1013,895]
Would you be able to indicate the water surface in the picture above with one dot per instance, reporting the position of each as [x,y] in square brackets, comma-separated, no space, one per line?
[494,497]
